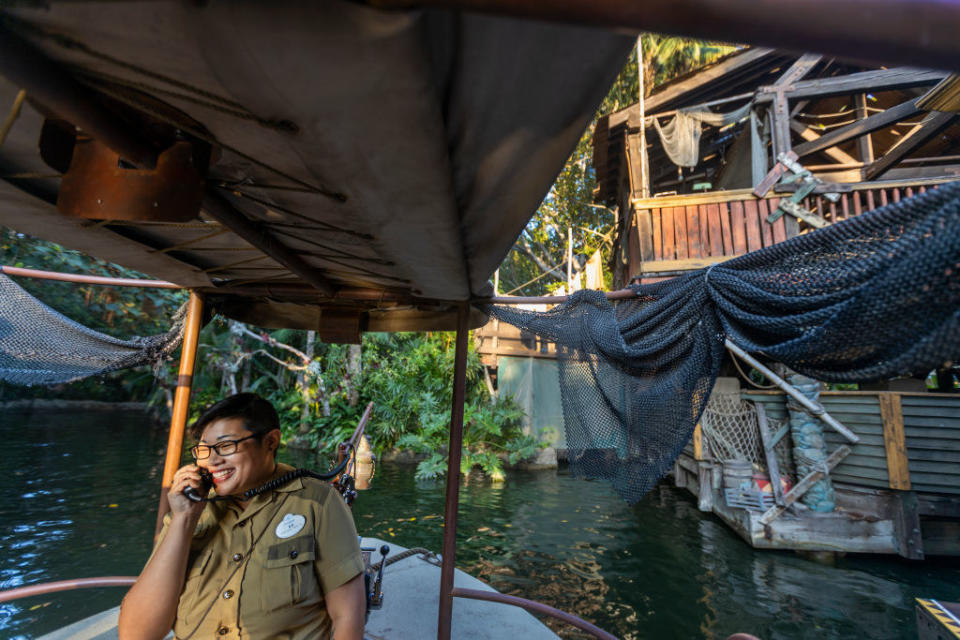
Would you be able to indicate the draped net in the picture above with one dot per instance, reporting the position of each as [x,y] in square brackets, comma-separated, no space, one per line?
[869,298]
[39,345]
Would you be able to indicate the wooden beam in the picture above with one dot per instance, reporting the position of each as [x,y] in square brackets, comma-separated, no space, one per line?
[673,92]
[798,69]
[809,135]
[894,440]
[873,123]
[773,467]
[804,485]
[864,142]
[781,123]
[880,80]
[223,212]
[933,124]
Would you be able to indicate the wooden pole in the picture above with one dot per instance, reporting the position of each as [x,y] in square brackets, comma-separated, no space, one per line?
[644,168]
[181,402]
[453,476]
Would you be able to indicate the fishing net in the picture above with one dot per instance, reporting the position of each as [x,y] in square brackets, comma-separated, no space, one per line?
[730,429]
[41,346]
[870,298]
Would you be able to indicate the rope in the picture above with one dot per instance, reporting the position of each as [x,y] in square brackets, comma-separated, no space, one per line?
[736,363]
[426,553]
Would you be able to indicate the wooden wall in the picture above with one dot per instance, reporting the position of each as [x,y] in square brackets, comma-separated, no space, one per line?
[673,234]
[929,427]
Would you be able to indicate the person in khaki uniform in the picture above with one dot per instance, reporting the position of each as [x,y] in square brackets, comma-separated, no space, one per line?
[284,564]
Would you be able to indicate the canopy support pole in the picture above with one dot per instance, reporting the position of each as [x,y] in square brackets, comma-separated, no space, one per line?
[181,402]
[454,450]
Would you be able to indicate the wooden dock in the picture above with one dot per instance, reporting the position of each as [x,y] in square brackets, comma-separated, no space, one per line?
[897,491]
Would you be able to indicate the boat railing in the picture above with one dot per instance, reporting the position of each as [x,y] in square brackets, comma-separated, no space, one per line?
[533,607]
[7,595]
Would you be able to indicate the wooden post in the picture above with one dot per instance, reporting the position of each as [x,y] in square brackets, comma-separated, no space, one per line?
[804,485]
[698,443]
[644,166]
[181,401]
[454,452]
[864,142]
[773,467]
[894,440]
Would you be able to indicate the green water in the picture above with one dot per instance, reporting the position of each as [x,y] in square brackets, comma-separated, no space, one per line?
[79,495]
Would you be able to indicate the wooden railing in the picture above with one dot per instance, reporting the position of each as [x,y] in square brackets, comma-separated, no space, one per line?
[672,234]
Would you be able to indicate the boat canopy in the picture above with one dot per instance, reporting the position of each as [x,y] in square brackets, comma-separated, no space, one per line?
[323,165]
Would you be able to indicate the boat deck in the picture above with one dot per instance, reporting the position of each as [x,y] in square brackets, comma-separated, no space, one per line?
[410,607]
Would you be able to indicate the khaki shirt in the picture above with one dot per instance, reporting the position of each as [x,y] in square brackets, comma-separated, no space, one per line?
[307,546]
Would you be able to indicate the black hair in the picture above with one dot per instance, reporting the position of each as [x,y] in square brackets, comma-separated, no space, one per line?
[258,415]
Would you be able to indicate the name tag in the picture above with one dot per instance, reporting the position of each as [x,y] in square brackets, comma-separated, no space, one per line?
[290,525]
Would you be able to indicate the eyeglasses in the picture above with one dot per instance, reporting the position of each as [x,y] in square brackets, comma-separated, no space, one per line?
[225,448]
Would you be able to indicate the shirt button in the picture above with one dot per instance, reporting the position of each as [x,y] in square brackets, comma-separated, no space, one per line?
[237,557]
[293,554]
[227,594]
[223,631]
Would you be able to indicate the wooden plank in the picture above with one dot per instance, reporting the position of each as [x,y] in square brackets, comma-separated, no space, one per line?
[798,69]
[662,100]
[747,194]
[773,468]
[644,235]
[657,236]
[693,232]
[715,230]
[766,230]
[906,526]
[864,142]
[634,253]
[698,443]
[704,233]
[669,234]
[845,205]
[751,211]
[933,124]
[687,264]
[891,411]
[880,80]
[737,229]
[680,227]
[804,485]
[779,226]
[725,232]
[781,124]
[810,135]
[873,123]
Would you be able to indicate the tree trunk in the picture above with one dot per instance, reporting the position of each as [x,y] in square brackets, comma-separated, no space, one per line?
[303,380]
[245,380]
[354,371]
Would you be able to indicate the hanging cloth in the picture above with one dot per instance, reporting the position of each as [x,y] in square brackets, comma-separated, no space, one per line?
[681,135]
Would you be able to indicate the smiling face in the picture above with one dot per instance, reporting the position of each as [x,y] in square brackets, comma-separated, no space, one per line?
[250,466]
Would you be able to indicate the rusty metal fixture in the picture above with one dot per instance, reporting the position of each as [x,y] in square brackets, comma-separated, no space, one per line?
[910,32]
[101,186]
[455,452]
[534,607]
[65,585]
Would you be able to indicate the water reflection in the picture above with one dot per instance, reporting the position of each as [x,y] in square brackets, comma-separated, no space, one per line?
[660,569]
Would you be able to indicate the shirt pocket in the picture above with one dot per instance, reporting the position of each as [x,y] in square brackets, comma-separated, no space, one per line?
[288,577]
[191,587]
